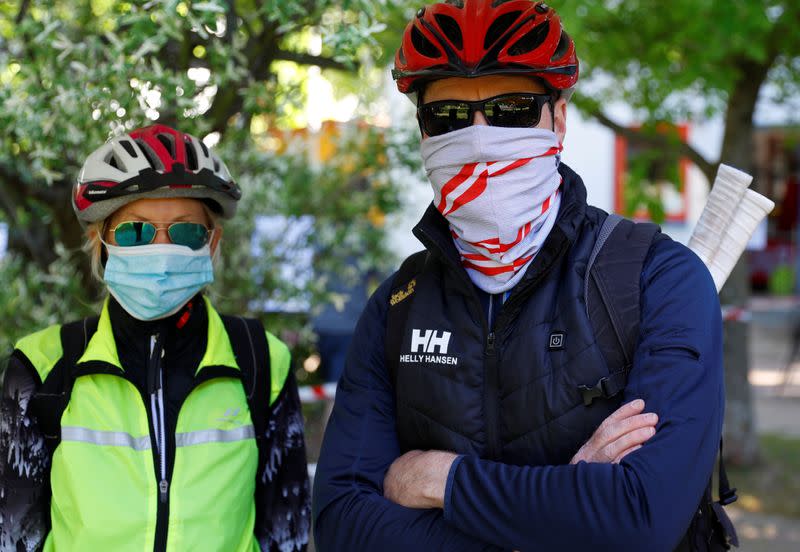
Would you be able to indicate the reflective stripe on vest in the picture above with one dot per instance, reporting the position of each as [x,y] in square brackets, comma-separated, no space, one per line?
[104,486]
[120,439]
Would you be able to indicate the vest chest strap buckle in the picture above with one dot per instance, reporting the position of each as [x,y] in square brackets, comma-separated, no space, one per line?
[606,388]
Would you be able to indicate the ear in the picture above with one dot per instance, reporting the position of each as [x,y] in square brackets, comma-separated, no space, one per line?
[560,119]
[216,236]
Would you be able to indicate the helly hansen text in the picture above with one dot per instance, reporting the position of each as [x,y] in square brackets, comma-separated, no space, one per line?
[429,359]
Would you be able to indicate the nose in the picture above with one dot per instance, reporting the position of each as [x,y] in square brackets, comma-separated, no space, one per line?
[161,236]
[480,119]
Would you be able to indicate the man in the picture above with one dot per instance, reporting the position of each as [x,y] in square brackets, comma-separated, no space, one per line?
[477,439]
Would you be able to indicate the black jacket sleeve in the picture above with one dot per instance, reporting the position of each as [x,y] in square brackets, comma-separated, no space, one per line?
[285,499]
[24,465]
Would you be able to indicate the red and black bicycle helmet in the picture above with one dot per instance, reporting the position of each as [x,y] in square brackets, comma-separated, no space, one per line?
[473,38]
[152,162]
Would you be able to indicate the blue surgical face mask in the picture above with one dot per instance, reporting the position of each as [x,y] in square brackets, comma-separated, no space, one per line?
[154,281]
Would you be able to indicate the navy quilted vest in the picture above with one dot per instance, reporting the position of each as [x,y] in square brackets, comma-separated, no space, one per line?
[508,393]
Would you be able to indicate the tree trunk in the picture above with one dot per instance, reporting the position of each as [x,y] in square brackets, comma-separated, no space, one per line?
[741,440]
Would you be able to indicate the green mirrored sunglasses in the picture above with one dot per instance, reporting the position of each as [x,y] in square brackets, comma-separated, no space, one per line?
[134,233]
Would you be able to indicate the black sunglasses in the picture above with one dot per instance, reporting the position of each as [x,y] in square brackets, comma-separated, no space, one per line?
[521,110]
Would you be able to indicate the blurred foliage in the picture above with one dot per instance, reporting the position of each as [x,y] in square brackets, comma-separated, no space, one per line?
[689,60]
[347,191]
[31,299]
[648,171]
[772,486]
[651,54]
[72,74]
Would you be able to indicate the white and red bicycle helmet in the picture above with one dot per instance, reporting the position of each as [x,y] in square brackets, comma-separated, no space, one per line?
[473,38]
[152,162]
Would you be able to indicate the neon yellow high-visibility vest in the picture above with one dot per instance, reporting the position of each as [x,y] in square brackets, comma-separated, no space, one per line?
[105,490]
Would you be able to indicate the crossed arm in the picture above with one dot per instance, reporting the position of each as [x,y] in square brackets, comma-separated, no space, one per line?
[645,501]
[418,479]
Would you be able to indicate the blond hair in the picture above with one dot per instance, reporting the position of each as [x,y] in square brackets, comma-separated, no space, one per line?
[93,246]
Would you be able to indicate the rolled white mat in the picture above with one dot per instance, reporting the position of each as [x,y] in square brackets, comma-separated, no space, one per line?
[725,196]
[733,240]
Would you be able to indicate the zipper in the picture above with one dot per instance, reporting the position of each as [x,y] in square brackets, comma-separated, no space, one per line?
[491,390]
[155,377]
[491,399]
[513,300]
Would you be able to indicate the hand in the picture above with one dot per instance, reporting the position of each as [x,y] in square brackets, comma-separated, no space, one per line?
[418,479]
[620,434]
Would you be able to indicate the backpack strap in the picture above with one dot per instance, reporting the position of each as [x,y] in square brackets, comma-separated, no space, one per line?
[711,530]
[403,287]
[727,495]
[49,402]
[249,343]
[611,288]
[612,293]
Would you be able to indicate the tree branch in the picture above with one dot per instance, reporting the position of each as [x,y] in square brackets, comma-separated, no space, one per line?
[309,59]
[23,11]
[260,51]
[660,141]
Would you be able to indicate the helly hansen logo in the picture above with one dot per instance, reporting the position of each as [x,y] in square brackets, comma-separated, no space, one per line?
[429,347]
[430,341]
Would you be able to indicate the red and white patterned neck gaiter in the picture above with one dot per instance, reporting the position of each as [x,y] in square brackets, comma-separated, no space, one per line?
[499,190]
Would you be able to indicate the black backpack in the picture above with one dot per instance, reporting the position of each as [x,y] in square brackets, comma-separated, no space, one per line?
[612,295]
[248,341]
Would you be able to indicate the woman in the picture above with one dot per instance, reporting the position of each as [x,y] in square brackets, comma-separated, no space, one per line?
[161,424]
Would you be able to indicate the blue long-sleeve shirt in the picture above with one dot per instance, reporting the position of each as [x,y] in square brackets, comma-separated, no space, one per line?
[644,503]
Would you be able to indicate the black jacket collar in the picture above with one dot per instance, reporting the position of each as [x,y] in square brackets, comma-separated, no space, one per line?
[184,335]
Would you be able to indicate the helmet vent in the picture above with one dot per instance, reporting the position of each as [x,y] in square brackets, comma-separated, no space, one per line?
[563,46]
[204,148]
[129,148]
[457,3]
[451,30]
[496,3]
[150,155]
[168,143]
[499,28]
[191,156]
[530,41]
[114,162]
[402,55]
[216,165]
[423,45]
